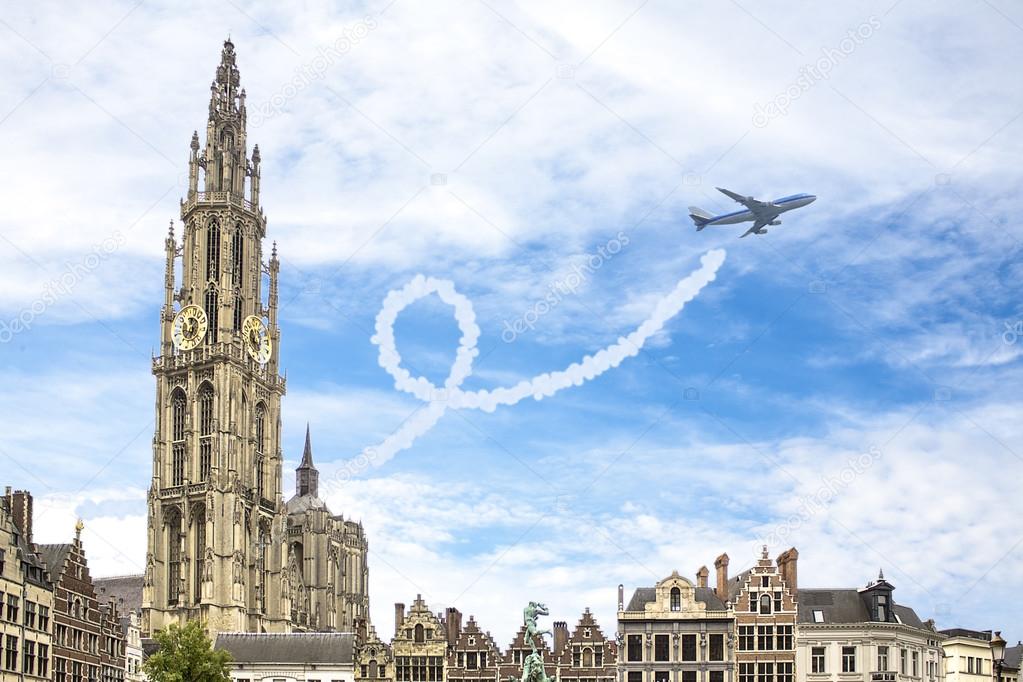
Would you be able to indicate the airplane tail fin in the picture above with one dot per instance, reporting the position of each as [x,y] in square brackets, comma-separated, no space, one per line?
[700,217]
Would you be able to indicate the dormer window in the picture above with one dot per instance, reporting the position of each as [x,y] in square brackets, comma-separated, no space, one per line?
[882,608]
[676,599]
[818,615]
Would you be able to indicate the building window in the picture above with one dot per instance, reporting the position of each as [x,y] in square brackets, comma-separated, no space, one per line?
[212,314]
[882,608]
[882,659]
[848,659]
[661,651]
[44,660]
[916,664]
[11,659]
[199,561]
[178,437]
[213,253]
[765,672]
[785,639]
[717,676]
[44,618]
[260,448]
[173,558]
[818,616]
[777,602]
[676,599]
[688,647]
[30,614]
[28,665]
[635,676]
[661,676]
[237,248]
[688,676]
[747,633]
[818,660]
[635,647]
[12,609]
[785,672]
[717,647]
[765,604]
[765,637]
[753,602]
[765,581]
[205,431]
[902,661]
[747,672]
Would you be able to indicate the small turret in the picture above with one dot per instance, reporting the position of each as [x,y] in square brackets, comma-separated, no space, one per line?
[307,478]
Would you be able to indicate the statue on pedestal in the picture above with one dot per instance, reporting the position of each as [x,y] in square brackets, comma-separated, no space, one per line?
[532,666]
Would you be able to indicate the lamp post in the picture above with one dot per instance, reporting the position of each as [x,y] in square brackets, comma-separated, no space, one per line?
[997,654]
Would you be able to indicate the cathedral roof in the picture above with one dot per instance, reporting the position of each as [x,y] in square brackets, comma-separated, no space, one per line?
[311,647]
[303,503]
[125,590]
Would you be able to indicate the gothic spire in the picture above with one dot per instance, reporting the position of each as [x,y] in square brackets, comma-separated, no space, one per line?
[307,478]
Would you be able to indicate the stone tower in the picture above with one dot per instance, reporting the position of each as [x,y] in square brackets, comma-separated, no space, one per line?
[217,548]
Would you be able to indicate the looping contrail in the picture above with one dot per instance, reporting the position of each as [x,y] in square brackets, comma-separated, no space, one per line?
[439,400]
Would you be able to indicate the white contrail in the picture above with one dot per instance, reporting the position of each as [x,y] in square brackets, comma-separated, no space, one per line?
[439,400]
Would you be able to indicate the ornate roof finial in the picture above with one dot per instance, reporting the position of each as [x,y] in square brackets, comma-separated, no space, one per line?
[880,574]
[195,141]
[170,229]
[273,251]
[79,527]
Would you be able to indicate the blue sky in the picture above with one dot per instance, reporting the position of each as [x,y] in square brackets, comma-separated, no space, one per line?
[498,145]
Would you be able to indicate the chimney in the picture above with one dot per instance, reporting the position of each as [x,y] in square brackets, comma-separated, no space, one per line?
[19,502]
[787,568]
[399,616]
[453,621]
[560,636]
[721,564]
[621,597]
[701,576]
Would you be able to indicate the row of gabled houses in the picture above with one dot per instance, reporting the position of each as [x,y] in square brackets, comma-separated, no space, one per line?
[756,626]
[59,624]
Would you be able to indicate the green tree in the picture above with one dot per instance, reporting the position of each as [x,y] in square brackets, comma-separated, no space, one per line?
[186,654]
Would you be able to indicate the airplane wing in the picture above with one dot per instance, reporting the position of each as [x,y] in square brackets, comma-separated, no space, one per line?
[758,224]
[749,202]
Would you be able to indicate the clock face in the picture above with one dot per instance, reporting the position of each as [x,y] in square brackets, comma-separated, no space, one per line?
[257,339]
[190,326]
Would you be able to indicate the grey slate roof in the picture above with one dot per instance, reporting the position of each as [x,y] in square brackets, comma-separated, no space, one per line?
[644,595]
[125,590]
[313,647]
[54,556]
[1012,656]
[845,606]
[964,632]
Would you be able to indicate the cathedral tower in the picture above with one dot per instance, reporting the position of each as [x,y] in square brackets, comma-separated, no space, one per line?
[217,547]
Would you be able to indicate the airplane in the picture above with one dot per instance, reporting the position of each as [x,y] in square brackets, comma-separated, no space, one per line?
[760,212]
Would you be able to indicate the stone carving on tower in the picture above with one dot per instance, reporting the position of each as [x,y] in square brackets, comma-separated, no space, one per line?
[216,550]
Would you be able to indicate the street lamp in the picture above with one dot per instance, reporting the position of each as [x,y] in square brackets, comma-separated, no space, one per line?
[998,654]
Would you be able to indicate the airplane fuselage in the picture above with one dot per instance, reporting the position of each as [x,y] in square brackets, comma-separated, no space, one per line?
[778,206]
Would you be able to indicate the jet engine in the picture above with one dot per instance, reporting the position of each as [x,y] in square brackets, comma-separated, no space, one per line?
[774,222]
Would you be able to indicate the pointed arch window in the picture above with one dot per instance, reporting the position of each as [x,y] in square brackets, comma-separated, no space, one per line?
[212,313]
[173,558]
[237,249]
[178,405]
[205,431]
[199,552]
[213,252]
[260,445]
